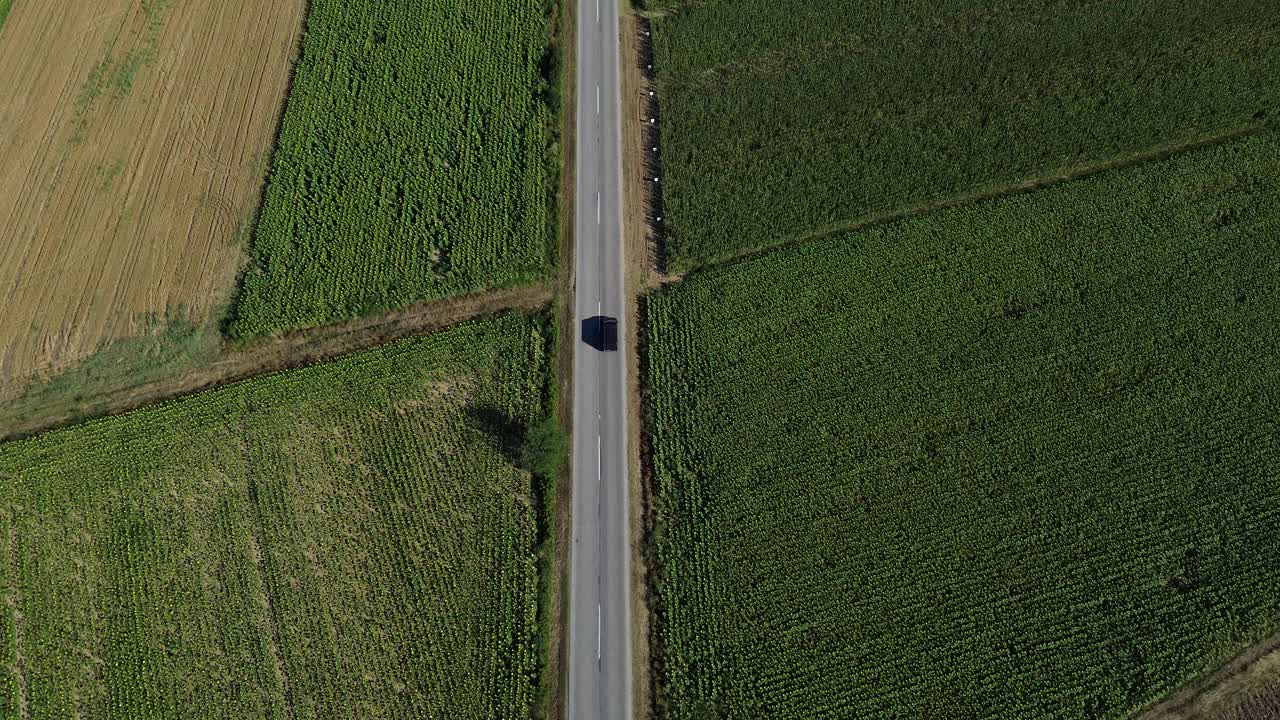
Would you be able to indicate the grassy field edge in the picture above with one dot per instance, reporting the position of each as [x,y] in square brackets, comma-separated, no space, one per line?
[1230,686]
[62,407]
[559,501]
[637,266]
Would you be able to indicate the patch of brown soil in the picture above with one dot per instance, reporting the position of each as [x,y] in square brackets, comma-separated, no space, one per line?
[297,349]
[1247,688]
[135,143]
[1264,705]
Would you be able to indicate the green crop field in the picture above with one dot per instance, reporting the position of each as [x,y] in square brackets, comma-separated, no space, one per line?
[1013,460]
[415,161]
[347,540]
[782,119]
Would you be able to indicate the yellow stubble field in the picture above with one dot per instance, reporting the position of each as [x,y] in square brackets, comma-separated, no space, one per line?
[136,138]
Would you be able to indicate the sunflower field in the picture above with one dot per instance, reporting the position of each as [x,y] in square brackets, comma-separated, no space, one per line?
[415,161]
[785,119]
[1012,460]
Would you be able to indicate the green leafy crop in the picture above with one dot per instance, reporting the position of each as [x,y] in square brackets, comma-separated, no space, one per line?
[782,119]
[414,162]
[345,540]
[1013,460]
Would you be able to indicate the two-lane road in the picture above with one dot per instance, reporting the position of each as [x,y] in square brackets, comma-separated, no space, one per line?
[600,581]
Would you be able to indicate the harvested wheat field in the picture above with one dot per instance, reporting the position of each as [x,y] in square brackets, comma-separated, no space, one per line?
[137,137]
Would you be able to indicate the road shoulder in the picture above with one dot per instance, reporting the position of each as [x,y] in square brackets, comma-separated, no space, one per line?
[638,271]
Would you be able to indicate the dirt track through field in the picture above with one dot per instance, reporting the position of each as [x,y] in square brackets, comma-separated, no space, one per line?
[1246,688]
[273,354]
[137,136]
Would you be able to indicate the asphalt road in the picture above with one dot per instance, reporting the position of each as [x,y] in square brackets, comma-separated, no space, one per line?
[600,580]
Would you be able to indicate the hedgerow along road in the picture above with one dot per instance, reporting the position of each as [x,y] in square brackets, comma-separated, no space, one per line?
[600,581]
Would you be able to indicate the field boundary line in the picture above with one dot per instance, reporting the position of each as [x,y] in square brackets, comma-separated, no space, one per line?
[271,354]
[251,240]
[1156,154]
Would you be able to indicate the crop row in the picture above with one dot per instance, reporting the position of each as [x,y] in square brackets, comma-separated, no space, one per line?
[1016,459]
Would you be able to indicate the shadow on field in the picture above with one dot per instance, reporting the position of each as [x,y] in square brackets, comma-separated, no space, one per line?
[504,432]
